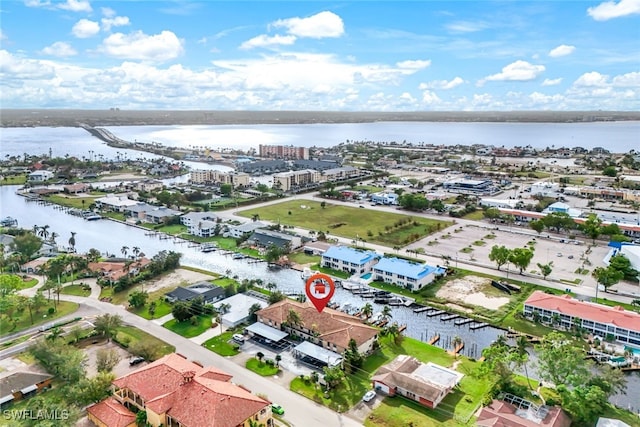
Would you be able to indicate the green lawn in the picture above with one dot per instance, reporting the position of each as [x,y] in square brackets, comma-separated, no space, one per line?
[77,290]
[262,368]
[400,412]
[22,320]
[302,258]
[14,180]
[162,309]
[25,282]
[330,271]
[475,216]
[72,201]
[129,335]
[369,224]
[221,345]
[186,329]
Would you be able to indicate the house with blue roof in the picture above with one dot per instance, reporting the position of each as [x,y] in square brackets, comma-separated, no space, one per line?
[347,259]
[407,274]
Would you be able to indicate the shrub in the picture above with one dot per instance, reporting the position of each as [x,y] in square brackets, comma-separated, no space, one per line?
[51,310]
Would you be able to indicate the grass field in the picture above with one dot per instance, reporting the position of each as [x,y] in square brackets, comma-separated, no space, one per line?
[368,224]
[72,201]
[22,320]
[262,368]
[77,290]
[186,329]
[130,335]
[221,345]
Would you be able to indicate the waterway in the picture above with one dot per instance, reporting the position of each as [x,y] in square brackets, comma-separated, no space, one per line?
[109,237]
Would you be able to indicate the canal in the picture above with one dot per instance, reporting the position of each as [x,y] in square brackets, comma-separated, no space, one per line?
[109,237]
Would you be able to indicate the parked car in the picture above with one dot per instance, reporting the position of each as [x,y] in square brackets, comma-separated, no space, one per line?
[277,409]
[368,396]
[238,338]
[136,360]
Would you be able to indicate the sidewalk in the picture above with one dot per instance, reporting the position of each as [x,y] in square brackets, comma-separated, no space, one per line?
[208,334]
[162,320]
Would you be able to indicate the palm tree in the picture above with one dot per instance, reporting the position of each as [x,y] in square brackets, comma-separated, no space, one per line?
[44,232]
[523,355]
[124,250]
[72,241]
[367,310]
[136,251]
[456,342]
[293,318]
[386,313]
[53,236]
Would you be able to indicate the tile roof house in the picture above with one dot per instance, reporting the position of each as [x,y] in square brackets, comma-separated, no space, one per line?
[598,319]
[330,329]
[113,271]
[427,384]
[176,392]
[407,274]
[504,414]
[348,259]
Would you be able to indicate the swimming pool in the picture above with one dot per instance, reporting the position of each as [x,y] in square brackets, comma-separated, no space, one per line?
[366,276]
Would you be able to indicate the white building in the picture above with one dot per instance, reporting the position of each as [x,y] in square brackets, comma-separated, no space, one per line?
[403,273]
[238,307]
[237,231]
[499,203]
[344,258]
[40,176]
[115,202]
[545,189]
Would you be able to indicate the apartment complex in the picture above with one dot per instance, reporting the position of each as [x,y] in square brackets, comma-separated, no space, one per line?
[403,273]
[176,392]
[237,179]
[344,258]
[600,320]
[286,181]
[283,152]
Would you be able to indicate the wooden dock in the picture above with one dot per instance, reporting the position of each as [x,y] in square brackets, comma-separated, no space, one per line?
[458,348]
[449,317]
[421,309]
[463,322]
[478,326]
[434,340]
[435,313]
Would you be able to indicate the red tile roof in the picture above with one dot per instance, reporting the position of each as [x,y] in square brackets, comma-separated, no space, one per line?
[112,413]
[191,394]
[502,414]
[332,325]
[564,304]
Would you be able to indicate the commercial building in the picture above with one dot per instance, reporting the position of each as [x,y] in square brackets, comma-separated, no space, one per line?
[474,187]
[288,152]
[425,383]
[545,189]
[176,392]
[600,320]
[330,329]
[347,259]
[403,273]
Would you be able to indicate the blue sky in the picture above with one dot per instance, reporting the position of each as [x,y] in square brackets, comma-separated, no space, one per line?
[333,56]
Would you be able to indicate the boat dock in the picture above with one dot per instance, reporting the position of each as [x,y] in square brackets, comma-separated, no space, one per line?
[463,322]
[436,313]
[479,325]
[421,309]
[434,340]
[449,317]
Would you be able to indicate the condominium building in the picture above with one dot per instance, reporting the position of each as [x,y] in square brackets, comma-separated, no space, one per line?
[403,273]
[283,152]
[348,259]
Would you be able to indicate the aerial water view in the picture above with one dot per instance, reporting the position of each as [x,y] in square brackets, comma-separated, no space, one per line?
[315,214]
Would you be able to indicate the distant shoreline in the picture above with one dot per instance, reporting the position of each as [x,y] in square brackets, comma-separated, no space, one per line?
[75,118]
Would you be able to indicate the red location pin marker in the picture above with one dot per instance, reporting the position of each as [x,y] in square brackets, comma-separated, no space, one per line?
[320,289]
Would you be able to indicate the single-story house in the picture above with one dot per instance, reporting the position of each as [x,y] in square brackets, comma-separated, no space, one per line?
[115,202]
[238,306]
[209,292]
[425,383]
[34,266]
[75,188]
[267,238]
[40,176]
[22,385]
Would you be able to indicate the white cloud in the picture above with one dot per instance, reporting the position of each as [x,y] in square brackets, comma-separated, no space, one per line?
[467,26]
[264,40]
[108,12]
[116,21]
[429,97]
[611,9]
[13,67]
[552,82]
[562,50]
[627,80]
[85,28]
[3,36]
[592,79]
[414,64]
[59,49]
[320,25]
[519,71]
[76,6]
[139,46]
[442,84]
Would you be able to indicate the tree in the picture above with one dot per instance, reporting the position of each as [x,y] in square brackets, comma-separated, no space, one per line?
[226,189]
[560,361]
[278,359]
[107,325]
[610,171]
[521,258]
[386,313]
[9,284]
[138,299]
[499,255]
[592,227]
[545,269]
[124,250]
[333,376]
[492,213]
[26,244]
[253,310]
[93,255]
[352,357]
[323,204]
[293,318]
[537,225]
[393,331]
[559,221]
[275,297]
[259,355]
[522,355]
[621,263]
[44,232]
[607,277]
[72,241]
[92,390]
[145,349]
[367,310]
[181,311]
[106,359]
[141,419]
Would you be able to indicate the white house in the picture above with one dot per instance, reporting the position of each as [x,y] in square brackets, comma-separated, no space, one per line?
[40,176]
[348,259]
[545,189]
[237,231]
[238,307]
[407,274]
